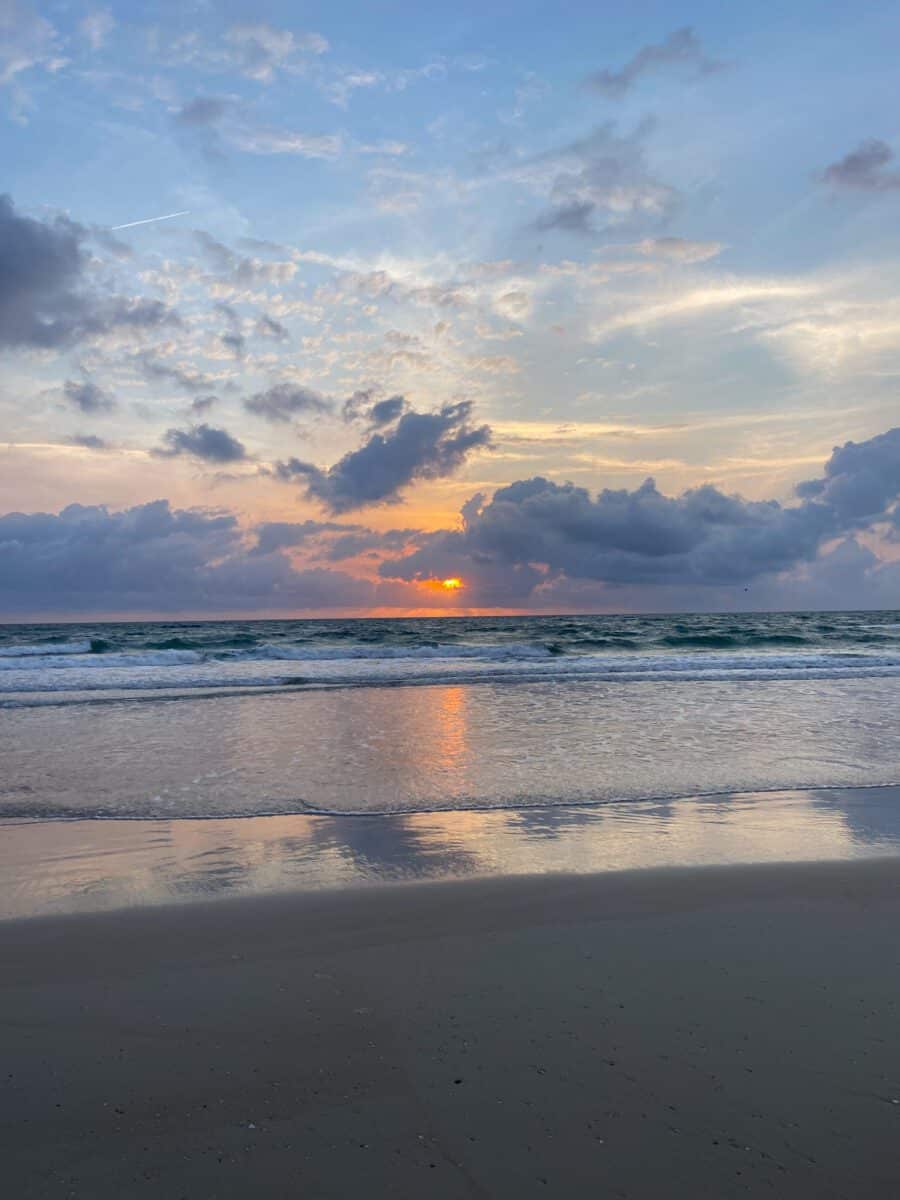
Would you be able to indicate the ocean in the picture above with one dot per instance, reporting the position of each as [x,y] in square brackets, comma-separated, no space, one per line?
[161,720]
[70,663]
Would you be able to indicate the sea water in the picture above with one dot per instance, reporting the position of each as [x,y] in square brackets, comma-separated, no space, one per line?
[162,720]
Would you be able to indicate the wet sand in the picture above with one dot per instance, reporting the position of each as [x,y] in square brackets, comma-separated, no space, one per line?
[661,1033]
[57,867]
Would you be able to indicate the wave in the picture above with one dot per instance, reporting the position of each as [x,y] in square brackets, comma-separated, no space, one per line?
[63,657]
[46,649]
[171,656]
[192,674]
[498,653]
[71,658]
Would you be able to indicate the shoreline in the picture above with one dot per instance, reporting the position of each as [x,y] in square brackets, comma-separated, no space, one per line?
[729,1028]
[308,809]
[84,864]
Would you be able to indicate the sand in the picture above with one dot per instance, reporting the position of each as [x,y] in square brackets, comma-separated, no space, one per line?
[715,1032]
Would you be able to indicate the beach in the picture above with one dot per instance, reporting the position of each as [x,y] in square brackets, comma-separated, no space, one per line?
[721,1031]
[449,602]
[507,908]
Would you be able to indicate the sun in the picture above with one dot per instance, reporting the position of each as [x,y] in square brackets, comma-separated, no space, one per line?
[443,585]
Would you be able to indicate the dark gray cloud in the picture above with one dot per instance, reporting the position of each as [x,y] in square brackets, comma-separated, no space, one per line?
[40,266]
[864,169]
[420,446]
[535,532]
[377,413]
[203,404]
[334,541]
[89,441]
[534,543]
[598,181]
[44,299]
[204,442]
[681,48]
[384,412]
[368,541]
[861,480]
[285,401]
[88,396]
[279,535]
[152,558]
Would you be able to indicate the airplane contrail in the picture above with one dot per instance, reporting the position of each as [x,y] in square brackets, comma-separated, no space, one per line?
[149,220]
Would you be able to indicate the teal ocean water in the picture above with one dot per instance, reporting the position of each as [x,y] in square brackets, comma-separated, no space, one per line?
[85,661]
[170,720]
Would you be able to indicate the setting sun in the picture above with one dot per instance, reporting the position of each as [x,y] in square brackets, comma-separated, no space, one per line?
[443,585]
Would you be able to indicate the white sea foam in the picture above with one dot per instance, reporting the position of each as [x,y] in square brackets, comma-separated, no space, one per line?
[75,660]
[46,649]
[175,670]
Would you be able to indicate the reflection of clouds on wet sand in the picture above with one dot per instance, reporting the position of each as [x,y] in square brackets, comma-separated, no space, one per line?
[61,866]
[870,815]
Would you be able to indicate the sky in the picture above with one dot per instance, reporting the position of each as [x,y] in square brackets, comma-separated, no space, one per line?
[305,309]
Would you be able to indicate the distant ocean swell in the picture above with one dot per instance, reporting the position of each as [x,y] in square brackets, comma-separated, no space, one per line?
[164,657]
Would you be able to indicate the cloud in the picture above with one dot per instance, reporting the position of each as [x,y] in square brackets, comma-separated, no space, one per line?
[268,327]
[340,88]
[681,250]
[574,216]
[96,27]
[599,179]
[280,535]
[335,541]
[27,42]
[384,412]
[257,51]
[535,532]
[259,139]
[378,413]
[285,401]
[204,442]
[369,542]
[88,441]
[234,339]
[861,480]
[260,51]
[722,294]
[44,303]
[863,169]
[242,271]
[420,446]
[188,378]
[202,111]
[534,543]
[87,396]
[218,117]
[681,48]
[388,147]
[152,558]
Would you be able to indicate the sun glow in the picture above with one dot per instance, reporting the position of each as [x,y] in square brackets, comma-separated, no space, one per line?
[443,585]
